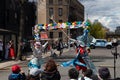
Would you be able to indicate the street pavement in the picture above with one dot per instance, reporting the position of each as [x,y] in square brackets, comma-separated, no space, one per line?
[99,56]
[28,57]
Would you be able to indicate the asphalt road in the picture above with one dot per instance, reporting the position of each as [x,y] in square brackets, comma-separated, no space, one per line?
[99,56]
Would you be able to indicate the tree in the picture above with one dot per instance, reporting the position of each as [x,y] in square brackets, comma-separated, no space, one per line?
[21,29]
[97,30]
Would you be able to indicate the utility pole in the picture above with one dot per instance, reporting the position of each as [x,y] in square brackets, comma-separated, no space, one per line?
[68,25]
[115,54]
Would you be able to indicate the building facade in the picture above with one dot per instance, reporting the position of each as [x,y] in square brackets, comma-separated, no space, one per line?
[50,11]
[10,19]
[117,31]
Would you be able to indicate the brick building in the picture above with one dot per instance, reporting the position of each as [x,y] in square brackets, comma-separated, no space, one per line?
[60,11]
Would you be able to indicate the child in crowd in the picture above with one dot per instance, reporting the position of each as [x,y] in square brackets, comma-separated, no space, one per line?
[17,73]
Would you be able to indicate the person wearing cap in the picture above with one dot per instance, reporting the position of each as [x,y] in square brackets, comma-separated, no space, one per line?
[17,73]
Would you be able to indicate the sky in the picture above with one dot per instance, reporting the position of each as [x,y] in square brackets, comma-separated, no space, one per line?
[105,11]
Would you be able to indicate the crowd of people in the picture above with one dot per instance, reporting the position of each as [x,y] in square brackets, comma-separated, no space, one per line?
[9,50]
[50,70]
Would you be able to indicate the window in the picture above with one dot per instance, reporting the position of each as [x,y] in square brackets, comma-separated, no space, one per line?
[51,34]
[50,2]
[60,2]
[60,10]
[50,12]
[60,21]
[60,34]
[50,21]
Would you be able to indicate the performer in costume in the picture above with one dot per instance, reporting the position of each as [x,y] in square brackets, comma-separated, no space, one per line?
[37,49]
[37,59]
[87,39]
[77,61]
[81,52]
[82,61]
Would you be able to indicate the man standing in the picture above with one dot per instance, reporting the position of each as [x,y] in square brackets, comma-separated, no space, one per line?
[1,50]
[60,47]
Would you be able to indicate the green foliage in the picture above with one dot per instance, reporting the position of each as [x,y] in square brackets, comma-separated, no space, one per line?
[97,30]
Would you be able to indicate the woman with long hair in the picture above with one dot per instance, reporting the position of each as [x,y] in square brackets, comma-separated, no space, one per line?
[50,72]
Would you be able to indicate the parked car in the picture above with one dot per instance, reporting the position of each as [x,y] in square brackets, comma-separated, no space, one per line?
[101,43]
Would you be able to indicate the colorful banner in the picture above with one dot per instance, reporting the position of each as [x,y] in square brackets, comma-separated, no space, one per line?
[53,26]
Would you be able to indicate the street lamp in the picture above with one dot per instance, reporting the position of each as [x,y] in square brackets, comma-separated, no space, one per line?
[115,54]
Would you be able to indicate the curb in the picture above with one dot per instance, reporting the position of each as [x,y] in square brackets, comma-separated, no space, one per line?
[10,63]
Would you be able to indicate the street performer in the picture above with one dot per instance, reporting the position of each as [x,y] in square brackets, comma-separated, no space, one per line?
[37,59]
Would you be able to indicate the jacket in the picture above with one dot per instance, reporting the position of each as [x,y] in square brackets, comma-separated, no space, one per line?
[55,75]
[18,76]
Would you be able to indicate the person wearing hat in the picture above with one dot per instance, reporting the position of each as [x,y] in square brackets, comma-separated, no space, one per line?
[80,53]
[78,62]
[37,59]
[17,73]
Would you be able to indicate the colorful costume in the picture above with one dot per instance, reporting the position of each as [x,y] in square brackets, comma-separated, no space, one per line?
[82,61]
[37,60]
[80,53]
[78,62]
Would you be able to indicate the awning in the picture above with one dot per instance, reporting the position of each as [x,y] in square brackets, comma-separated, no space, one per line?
[5,31]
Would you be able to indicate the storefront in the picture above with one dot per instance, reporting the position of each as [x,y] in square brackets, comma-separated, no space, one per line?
[6,36]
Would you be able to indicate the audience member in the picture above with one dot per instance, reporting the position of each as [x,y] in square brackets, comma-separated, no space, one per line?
[60,47]
[7,47]
[34,74]
[12,50]
[50,72]
[73,74]
[104,73]
[1,50]
[17,73]
[86,75]
[95,77]
[118,78]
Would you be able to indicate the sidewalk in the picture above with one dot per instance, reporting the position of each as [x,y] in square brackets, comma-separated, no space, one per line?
[11,62]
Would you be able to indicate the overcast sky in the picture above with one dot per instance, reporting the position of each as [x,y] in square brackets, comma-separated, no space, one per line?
[106,11]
